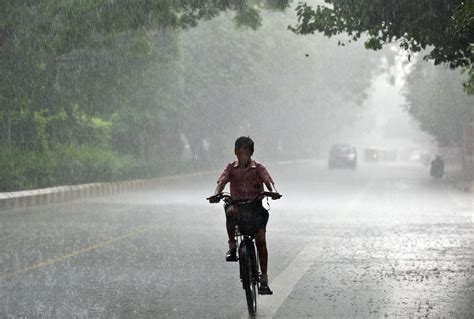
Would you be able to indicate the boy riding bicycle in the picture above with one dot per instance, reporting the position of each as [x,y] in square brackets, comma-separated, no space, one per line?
[246,178]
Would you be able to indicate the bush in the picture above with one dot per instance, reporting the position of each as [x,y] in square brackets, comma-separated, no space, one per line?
[21,170]
[88,164]
[79,164]
[66,165]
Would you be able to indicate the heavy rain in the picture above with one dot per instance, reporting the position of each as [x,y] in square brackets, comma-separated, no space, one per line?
[119,130]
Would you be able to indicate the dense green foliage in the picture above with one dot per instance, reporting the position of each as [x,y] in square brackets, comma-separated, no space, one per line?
[26,169]
[446,27]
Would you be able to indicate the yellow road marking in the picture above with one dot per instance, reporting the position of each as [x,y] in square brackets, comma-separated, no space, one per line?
[52,261]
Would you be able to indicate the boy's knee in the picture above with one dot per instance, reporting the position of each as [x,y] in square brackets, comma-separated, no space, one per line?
[231,212]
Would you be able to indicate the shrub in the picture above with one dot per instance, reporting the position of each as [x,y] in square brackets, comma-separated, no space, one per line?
[66,165]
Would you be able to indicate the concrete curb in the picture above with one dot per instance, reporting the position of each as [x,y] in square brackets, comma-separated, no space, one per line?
[51,195]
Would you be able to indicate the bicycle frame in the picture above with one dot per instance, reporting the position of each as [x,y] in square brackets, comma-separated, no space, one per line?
[246,246]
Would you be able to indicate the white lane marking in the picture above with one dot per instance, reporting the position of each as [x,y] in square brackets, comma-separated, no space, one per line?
[285,282]
[283,285]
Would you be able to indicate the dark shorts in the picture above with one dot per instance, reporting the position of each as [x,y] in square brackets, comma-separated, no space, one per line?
[261,216]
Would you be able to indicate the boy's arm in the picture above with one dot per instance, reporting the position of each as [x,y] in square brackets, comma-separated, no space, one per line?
[265,176]
[221,182]
[269,186]
[220,187]
[223,179]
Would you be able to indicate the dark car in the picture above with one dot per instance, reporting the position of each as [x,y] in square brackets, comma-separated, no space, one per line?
[342,156]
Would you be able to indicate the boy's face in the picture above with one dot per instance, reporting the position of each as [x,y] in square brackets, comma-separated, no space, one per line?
[243,155]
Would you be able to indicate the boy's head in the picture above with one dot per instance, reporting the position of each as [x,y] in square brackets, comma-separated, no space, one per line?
[243,149]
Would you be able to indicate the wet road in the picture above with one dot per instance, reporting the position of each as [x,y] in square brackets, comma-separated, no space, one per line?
[382,241]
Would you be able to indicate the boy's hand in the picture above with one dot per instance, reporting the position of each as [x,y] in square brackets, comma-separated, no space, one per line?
[275,195]
[214,199]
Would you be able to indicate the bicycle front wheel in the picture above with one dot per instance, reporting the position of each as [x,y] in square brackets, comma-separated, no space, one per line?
[251,294]
[248,280]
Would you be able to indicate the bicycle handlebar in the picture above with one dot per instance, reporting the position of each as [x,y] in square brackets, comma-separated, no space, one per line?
[228,199]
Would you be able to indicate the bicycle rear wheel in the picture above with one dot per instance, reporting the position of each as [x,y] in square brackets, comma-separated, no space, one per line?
[248,279]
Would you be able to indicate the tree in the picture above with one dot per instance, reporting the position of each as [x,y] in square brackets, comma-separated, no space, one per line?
[57,56]
[445,27]
[434,97]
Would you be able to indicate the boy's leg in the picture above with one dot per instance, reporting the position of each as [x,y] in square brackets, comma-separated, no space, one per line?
[230,224]
[261,243]
[230,214]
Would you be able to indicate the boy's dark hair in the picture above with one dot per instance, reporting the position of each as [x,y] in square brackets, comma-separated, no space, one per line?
[244,141]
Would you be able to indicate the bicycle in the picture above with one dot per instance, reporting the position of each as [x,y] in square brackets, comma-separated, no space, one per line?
[245,229]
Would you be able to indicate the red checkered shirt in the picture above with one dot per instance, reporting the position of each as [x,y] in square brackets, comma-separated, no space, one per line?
[245,182]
